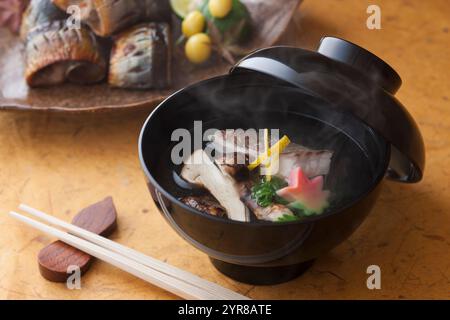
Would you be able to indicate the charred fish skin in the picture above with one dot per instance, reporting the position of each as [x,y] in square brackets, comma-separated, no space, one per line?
[107,17]
[206,204]
[313,162]
[55,53]
[60,54]
[232,165]
[231,141]
[40,14]
[141,57]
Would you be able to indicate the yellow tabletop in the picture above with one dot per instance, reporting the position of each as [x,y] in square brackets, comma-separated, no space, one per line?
[62,163]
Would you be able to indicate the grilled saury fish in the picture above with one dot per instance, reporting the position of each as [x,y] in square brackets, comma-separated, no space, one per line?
[107,17]
[56,53]
[141,56]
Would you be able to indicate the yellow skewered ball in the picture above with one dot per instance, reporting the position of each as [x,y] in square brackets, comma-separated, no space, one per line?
[198,48]
[193,23]
[220,8]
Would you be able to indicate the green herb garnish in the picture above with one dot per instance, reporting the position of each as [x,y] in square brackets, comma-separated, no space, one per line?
[287,218]
[265,192]
[300,209]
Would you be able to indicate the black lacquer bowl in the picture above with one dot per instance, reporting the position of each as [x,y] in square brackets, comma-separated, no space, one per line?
[266,252]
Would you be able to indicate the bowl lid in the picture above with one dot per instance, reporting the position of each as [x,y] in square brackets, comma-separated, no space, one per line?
[351,79]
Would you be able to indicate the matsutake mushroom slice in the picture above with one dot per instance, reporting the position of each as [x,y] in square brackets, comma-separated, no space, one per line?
[140,58]
[107,17]
[59,54]
[200,169]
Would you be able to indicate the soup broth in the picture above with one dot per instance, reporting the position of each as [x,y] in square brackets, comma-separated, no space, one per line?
[350,168]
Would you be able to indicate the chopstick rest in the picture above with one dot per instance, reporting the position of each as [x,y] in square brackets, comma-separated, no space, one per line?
[156,272]
[54,260]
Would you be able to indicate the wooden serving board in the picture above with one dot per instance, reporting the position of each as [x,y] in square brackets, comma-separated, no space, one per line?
[269,17]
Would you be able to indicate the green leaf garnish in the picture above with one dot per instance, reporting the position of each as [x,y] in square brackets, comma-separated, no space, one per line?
[235,27]
[265,192]
[288,218]
[300,209]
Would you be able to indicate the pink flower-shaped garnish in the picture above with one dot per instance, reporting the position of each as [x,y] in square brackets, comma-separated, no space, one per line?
[11,13]
[304,192]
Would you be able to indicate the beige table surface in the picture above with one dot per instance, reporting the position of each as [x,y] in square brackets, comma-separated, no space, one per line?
[61,163]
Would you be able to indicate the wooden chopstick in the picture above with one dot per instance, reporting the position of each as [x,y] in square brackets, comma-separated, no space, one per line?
[153,263]
[171,284]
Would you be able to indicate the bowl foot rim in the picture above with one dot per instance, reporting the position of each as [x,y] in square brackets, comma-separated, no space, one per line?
[261,275]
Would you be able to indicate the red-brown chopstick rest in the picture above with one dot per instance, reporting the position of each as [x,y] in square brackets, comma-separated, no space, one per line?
[54,259]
